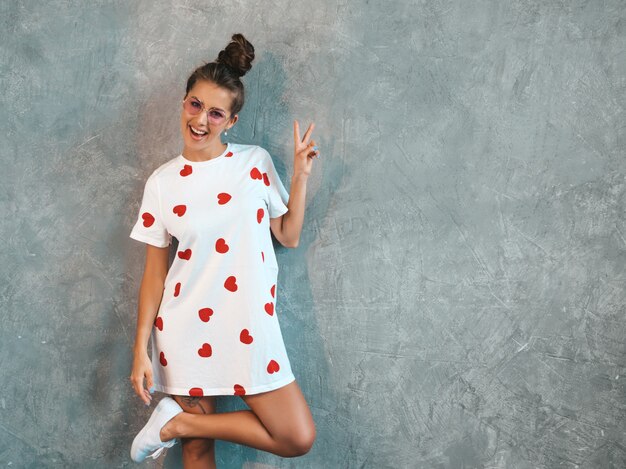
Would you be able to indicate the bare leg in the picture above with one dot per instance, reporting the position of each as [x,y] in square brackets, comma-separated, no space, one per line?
[198,453]
[280,422]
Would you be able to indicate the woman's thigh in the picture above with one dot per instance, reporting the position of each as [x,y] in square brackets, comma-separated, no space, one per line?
[286,415]
[197,405]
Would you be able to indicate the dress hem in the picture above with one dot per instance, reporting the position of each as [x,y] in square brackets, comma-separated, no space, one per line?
[226,391]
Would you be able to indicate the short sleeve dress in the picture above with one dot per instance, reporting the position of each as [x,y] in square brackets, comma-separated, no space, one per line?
[217,331]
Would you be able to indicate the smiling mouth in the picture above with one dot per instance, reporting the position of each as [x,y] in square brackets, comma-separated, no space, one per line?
[195,135]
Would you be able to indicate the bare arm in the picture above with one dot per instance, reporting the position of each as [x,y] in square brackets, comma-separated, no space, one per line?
[150,296]
[150,293]
[287,227]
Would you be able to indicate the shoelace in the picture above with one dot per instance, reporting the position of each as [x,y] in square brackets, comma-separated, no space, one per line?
[158,452]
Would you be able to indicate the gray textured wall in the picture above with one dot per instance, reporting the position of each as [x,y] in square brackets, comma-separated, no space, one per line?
[457,300]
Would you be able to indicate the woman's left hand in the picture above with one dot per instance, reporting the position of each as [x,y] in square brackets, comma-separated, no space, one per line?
[304,151]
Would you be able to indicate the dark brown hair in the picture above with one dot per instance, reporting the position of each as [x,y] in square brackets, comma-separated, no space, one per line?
[232,63]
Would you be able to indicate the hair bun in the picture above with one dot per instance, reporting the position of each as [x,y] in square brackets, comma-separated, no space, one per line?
[237,55]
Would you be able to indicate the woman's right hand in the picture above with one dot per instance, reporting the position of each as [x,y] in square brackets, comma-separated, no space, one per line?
[142,367]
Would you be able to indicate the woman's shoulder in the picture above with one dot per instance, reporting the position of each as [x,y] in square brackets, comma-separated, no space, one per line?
[253,155]
[250,150]
[168,166]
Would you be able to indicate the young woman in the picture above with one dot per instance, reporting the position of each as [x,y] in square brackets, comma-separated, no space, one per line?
[211,317]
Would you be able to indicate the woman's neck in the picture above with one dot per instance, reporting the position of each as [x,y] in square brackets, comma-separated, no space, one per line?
[206,153]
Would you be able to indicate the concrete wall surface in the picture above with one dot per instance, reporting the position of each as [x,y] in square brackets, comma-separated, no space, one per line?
[457,298]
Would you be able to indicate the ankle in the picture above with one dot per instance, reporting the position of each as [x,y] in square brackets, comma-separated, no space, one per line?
[170,429]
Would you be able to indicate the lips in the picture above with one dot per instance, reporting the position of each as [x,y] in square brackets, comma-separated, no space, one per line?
[194,136]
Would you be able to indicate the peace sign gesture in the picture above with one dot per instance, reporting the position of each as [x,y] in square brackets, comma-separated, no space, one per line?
[304,151]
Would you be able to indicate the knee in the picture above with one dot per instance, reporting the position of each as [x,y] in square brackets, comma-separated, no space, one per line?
[197,448]
[301,442]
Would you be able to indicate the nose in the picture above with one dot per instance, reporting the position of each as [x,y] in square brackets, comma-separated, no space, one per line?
[202,118]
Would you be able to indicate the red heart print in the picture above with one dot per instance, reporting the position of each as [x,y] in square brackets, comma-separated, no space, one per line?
[255,173]
[148,219]
[177,289]
[266,179]
[186,171]
[231,283]
[162,359]
[205,314]
[221,246]
[196,392]
[262,256]
[272,366]
[239,390]
[158,323]
[229,154]
[269,308]
[223,197]
[186,254]
[259,215]
[273,291]
[205,351]
[180,210]
[245,336]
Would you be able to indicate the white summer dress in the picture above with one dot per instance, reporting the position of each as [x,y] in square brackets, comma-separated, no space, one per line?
[217,329]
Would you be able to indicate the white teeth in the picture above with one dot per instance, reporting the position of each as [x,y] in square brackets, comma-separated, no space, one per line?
[199,132]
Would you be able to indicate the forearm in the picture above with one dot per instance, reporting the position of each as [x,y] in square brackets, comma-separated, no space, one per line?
[150,296]
[294,218]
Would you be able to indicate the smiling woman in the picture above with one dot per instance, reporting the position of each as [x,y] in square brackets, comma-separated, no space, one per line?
[213,97]
[212,318]
[204,125]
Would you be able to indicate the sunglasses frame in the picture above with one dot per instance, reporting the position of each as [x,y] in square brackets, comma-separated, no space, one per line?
[204,109]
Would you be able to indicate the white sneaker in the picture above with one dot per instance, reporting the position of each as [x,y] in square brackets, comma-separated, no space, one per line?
[147,443]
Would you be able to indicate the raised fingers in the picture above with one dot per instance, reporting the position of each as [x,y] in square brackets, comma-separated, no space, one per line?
[296,132]
[305,139]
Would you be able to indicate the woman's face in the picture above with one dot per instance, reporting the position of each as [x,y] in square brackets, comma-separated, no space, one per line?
[215,99]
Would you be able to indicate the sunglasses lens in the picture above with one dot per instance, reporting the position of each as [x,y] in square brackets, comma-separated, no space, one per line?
[216,117]
[192,106]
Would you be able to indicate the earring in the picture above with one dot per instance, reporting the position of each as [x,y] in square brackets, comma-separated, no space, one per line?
[225,132]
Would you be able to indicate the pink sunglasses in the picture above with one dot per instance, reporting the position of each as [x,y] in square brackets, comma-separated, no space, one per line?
[194,107]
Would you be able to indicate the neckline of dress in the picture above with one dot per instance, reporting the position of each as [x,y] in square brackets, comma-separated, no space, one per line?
[210,161]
